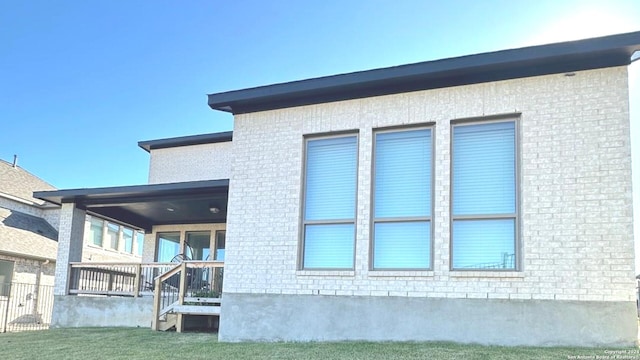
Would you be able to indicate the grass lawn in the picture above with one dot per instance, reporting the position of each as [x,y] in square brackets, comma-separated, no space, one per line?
[121,343]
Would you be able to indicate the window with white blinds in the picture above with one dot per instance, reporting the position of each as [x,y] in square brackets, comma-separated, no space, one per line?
[402,199]
[484,209]
[330,202]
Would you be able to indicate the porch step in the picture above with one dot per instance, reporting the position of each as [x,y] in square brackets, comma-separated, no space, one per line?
[196,309]
[169,322]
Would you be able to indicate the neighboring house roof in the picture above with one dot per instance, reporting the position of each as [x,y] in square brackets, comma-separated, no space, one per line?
[19,183]
[149,145]
[608,51]
[27,236]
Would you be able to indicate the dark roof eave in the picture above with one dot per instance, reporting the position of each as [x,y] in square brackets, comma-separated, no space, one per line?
[608,51]
[149,145]
[152,190]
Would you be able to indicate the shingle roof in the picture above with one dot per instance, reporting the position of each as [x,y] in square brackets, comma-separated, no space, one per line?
[27,235]
[20,183]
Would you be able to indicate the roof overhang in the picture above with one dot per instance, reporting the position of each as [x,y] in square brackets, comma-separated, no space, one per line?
[27,256]
[149,145]
[607,51]
[143,206]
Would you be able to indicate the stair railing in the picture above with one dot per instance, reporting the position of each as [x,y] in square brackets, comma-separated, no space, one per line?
[167,290]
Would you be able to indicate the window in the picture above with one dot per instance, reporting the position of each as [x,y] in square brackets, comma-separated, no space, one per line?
[95,231]
[402,199]
[328,220]
[140,241]
[220,244]
[198,245]
[484,203]
[168,246]
[127,236]
[6,274]
[112,235]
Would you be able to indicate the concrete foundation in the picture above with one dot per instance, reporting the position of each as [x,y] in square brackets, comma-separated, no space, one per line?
[83,311]
[260,317]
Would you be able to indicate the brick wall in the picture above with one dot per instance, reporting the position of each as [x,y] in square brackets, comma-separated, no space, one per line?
[70,240]
[190,163]
[26,271]
[575,186]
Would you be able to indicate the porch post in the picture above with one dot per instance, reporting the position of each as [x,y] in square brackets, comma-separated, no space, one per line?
[70,239]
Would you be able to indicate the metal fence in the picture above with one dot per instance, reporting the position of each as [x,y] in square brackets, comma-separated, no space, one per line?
[25,307]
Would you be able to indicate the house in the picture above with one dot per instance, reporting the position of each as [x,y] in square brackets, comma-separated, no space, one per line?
[483,198]
[28,248]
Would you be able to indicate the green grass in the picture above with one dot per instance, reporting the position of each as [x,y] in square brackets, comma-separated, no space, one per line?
[120,343]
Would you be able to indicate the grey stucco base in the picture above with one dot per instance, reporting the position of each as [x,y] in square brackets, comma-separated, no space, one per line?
[81,311]
[260,317]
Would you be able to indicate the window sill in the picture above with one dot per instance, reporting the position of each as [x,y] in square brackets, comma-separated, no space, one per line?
[325,273]
[487,274]
[400,273]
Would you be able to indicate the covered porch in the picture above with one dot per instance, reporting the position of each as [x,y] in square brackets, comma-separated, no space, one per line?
[182,268]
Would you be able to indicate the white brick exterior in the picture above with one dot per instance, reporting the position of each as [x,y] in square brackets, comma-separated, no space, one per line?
[70,238]
[190,163]
[29,271]
[575,188]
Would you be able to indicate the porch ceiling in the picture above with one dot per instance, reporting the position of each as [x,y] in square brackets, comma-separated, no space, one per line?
[146,205]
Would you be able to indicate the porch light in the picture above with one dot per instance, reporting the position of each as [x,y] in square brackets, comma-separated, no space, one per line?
[170,209]
[214,210]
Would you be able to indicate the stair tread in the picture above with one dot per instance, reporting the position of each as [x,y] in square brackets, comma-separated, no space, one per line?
[197,309]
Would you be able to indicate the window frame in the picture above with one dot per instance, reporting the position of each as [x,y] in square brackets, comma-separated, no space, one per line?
[110,229]
[93,223]
[5,287]
[303,199]
[372,218]
[515,119]
[188,248]
[157,247]
[139,244]
[216,243]
[128,249]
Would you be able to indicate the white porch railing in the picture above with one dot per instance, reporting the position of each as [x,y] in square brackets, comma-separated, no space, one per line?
[135,279]
[115,279]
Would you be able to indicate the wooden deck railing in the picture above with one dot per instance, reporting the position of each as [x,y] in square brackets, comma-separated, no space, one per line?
[190,282]
[115,279]
[189,287]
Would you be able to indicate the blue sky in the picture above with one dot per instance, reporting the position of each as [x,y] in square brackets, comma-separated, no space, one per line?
[81,82]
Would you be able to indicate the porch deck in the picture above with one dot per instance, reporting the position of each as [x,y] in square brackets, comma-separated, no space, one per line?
[190,287]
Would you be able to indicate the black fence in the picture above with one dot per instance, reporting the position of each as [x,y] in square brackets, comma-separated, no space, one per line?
[25,307]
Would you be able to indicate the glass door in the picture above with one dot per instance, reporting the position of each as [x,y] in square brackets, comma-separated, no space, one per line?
[168,246]
[198,245]
[220,240]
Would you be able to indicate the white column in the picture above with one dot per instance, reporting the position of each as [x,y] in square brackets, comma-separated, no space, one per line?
[70,236]
[149,248]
